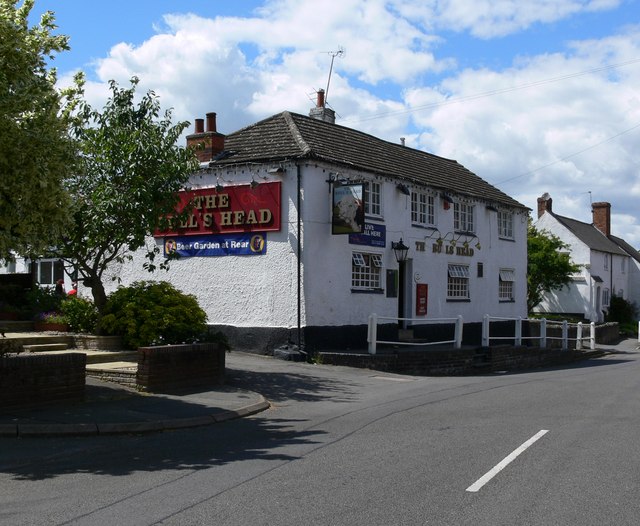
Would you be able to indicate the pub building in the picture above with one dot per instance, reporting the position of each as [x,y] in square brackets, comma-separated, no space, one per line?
[300,229]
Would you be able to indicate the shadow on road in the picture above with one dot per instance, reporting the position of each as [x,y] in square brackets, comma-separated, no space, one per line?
[281,386]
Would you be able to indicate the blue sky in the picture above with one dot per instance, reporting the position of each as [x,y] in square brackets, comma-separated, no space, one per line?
[536,96]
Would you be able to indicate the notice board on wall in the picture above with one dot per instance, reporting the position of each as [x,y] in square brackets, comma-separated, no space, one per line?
[422,297]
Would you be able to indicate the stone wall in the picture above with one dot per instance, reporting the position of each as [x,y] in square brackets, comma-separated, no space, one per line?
[91,342]
[30,380]
[172,367]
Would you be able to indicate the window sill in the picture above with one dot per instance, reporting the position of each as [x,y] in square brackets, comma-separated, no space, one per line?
[507,301]
[424,225]
[458,300]
[367,291]
[509,239]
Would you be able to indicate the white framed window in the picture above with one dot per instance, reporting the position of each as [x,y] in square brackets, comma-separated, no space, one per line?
[48,271]
[463,217]
[506,278]
[505,224]
[373,198]
[423,209]
[458,282]
[606,261]
[606,298]
[623,266]
[366,271]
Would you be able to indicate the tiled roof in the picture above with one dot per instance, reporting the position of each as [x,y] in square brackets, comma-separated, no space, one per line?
[290,136]
[626,247]
[590,235]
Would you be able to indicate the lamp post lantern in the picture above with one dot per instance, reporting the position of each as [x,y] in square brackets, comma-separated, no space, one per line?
[401,251]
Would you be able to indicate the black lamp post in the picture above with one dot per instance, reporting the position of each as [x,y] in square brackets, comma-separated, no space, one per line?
[401,251]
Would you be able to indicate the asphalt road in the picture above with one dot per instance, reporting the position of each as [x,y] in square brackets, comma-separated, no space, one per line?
[354,447]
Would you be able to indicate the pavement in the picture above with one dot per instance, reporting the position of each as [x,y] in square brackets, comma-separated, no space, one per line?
[110,408]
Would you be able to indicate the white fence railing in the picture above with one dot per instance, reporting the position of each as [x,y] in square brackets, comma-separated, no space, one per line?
[543,337]
[372,333]
[545,326]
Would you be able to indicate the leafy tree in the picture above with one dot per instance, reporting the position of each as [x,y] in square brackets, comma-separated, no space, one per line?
[126,183]
[547,267]
[35,149]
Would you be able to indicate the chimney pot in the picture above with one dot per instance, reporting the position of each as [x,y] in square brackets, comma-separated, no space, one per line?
[320,102]
[211,122]
[602,217]
[544,204]
[206,144]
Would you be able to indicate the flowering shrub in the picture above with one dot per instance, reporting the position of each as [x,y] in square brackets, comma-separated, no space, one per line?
[52,317]
[153,313]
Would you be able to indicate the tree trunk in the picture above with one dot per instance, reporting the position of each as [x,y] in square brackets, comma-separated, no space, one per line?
[99,295]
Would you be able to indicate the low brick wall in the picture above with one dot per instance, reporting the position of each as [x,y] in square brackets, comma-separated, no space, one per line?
[510,358]
[30,380]
[457,362]
[432,363]
[608,333]
[170,367]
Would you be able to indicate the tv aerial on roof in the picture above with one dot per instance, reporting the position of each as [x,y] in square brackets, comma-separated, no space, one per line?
[339,53]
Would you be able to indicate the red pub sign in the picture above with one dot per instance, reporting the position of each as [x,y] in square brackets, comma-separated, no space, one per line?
[230,210]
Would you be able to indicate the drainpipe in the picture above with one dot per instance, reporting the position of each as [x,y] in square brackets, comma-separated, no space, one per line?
[299,257]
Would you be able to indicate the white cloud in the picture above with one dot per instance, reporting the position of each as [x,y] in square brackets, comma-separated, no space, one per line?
[568,136]
[491,18]
[548,123]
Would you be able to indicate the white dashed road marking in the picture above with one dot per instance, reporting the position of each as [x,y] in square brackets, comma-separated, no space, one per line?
[505,462]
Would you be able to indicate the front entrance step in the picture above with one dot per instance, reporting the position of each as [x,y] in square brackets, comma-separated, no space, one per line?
[25,340]
[123,373]
[99,357]
[45,347]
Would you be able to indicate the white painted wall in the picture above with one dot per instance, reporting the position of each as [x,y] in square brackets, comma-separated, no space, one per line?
[328,296]
[241,291]
[633,292]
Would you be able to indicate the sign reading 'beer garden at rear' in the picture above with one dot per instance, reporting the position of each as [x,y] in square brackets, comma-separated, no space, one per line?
[233,209]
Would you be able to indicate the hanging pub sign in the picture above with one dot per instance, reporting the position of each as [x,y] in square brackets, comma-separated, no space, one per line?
[249,244]
[347,211]
[233,209]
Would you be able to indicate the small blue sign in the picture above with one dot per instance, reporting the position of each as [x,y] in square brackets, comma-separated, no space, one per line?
[249,244]
[373,236]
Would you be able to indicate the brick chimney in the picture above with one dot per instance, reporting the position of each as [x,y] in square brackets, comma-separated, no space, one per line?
[321,112]
[544,204]
[602,217]
[207,144]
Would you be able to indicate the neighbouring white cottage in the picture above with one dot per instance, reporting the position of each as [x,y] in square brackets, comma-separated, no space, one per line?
[609,265]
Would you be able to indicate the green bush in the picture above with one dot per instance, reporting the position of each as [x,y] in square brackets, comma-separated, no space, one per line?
[621,310]
[80,313]
[153,313]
